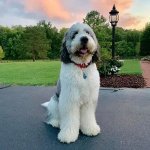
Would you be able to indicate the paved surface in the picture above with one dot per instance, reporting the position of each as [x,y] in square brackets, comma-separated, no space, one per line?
[124,117]
[146,72]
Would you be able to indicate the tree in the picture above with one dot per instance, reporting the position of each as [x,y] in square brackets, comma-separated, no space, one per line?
[54,53]
[127,42]
[17,52]
[2,54]
[120,34]
[133,36]
[62,33]
[125,49]
[5,33]
[54,37]
[145,41]
[14,47]
[95,20]
[10,39]
[99,24]
[35,42]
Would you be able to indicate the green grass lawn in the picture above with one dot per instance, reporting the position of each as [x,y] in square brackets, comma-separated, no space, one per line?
[46,72]
[131,67]
[30,73]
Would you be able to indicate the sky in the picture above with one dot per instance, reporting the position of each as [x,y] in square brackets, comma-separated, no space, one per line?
[133,14]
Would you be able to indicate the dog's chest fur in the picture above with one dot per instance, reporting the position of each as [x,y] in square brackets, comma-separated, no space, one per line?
[73,82]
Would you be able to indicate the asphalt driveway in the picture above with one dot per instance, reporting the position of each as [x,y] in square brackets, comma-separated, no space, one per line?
[124,117]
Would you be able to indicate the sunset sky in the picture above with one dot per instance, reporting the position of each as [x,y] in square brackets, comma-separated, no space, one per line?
[63,13]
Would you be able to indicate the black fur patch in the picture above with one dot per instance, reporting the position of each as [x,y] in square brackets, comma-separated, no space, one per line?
[64,54]
[96,56]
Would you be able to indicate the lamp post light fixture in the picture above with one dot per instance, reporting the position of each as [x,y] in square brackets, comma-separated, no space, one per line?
[113,19]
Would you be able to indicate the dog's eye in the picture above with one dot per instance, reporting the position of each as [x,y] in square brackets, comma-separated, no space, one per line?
[87,32]
[75,33]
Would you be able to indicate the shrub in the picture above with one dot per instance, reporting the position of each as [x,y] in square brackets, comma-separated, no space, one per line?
[2,54]
[103,66]
[115,65]
[146,58]
[107,65]
[115,62]
[105,55]
[104,69]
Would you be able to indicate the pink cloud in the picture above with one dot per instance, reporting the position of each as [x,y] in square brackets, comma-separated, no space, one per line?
[129,21]
[104,6]
[50,8]
[53,9]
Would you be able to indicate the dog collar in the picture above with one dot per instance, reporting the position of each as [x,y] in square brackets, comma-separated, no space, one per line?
[82,65]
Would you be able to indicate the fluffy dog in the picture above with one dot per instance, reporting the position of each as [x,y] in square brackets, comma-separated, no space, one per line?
[73,106]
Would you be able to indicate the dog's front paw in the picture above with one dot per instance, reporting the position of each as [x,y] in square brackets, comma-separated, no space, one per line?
[91,130]
[68,135]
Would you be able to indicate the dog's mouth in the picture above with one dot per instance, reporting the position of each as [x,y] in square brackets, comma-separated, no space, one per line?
[82,52]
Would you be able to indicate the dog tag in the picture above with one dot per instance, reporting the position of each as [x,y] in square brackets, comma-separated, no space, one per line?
[84,75]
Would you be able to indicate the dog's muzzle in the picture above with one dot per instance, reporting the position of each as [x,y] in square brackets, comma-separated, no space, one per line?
[83,49]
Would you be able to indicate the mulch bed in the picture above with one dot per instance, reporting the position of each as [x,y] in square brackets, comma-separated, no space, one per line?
[118,81]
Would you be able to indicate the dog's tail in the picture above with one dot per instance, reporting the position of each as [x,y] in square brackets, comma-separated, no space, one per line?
[45,105]
[52,111]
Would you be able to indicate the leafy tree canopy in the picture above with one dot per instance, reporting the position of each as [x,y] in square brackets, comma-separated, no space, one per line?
[35,42]
[99,24]
[145,41]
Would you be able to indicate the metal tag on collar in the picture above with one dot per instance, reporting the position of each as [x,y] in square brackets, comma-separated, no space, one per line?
[84,75]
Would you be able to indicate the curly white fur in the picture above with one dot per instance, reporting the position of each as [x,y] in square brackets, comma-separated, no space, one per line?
[74,110]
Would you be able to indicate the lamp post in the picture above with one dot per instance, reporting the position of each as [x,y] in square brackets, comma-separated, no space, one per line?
[113,18]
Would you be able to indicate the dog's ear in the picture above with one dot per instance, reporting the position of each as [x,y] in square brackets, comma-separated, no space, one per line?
[64,52]
[96,55]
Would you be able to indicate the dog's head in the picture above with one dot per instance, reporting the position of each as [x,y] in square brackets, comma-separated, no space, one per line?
[80,45]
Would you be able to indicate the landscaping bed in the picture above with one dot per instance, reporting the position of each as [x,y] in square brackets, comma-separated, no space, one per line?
[118,81]
[129,75]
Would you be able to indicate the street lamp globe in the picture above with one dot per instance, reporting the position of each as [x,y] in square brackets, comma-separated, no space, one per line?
[114,16]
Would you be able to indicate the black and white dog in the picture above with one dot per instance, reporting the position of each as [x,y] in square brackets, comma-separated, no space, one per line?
[73,106]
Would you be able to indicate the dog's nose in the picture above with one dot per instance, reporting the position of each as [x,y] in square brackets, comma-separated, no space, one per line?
[84,40]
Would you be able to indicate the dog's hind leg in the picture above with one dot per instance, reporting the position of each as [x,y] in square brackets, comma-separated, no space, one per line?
[53,112]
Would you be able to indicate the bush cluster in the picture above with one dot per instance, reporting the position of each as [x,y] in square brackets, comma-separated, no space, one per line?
[110,67]
[146,58]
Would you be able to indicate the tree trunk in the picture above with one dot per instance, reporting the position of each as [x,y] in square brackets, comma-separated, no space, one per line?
[33,58]
[33,55]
